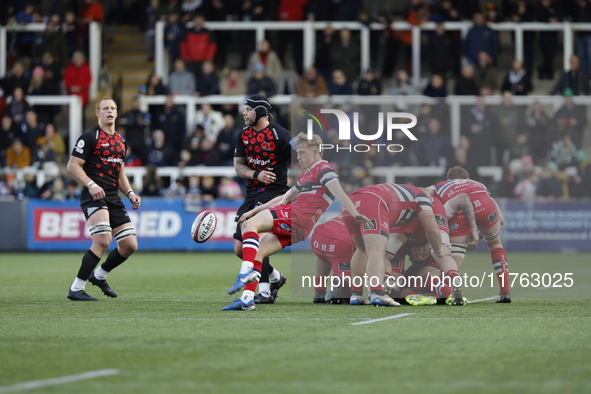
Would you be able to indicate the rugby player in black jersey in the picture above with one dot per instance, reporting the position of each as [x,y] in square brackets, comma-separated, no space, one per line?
[97,163]
[262,155]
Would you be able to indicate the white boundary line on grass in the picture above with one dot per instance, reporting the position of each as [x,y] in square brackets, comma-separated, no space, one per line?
[482,299]
[381,319]
[35,384]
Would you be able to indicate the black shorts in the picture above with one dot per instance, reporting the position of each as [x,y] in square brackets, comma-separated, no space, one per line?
[117,213]
[252,202]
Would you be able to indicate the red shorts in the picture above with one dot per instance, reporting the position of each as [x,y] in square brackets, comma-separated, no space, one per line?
[285,227]
[374,208]
[485,212]
[337,252]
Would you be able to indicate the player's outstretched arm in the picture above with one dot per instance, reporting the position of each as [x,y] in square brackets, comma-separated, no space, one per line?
[335,188]
[77,171]
[126,189]
[462,202]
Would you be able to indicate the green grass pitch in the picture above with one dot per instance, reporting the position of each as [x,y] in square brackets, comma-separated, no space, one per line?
[166,333]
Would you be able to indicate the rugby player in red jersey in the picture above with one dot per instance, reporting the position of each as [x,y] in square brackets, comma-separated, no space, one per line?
[489,219]
[289,218]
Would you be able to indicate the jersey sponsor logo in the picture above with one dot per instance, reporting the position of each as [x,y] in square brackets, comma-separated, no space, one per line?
[285,227]
[257,162]
[104,145]
[112,159]
[344,266]
[80,144]
[440,220]
[454,227]
[395,262]
[372,225]
[492,217]
[245,142]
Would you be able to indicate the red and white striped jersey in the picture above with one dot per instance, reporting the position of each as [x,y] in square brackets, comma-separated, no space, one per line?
[452,187]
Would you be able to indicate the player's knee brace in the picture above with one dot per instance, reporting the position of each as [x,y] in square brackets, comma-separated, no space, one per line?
[458,250]
[100,228]
[124,233]
[494,237]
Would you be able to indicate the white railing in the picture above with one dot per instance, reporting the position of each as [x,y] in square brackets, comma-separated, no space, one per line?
[310,27]
[136,174]
[95,59]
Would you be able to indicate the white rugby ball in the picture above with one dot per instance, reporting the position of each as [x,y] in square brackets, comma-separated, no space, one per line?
[203,226]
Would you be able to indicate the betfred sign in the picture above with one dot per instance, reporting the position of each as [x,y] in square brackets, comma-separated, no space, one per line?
[160,225]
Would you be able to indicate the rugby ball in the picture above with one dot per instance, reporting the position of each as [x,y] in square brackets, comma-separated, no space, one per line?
[203,226]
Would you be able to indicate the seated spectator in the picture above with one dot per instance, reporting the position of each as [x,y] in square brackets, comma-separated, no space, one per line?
[8,133]
[207,80]
[229,189]
[434,148]
[436,87]
[17,79]
[18,107]
[135,122]
[77,77]
[517,81]
[212,121]
[369,85]
[345,54]
[73,190]
[232,84]
[402,85]
[176,189]
[160,154]
[191,147]
[268,57]
[480,38]
[580,185]
[40,87]
[31,130]
[193,195]
[209,189]
[207,154]
[172,122]
[174,33]
[153,86]
[526,189]
[339,85]
[466,84]
[312,84]
[180,80]
[18,155]
[442,48]
[71,29]
[44,156]
[152,185]
[571,118]
[549,187]
[131,159]
[574,79]
[564,152]
[226,140]
[53,71]
[56,191]
[260,83]
[519,148]
[504,188]
[485,72]
[9,188]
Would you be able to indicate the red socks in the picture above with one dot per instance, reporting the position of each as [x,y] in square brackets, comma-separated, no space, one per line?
[499,262]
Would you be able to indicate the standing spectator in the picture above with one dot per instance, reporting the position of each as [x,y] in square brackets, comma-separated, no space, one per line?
[31,130]
[54,43]
[292,11]
[312,84]
[322,59]
[574,79]
[260,83]
[212,121]
[509,124]
[77,77]
[441,51]
[91,11]
[369,85]
[180,80]
[537,127]
[41,87]
[402,85]
[340,86]
[250,10]
[517,81]
[154,13]
[480,38]
[25,41]
[519,147]
[434,148]
[174,33]
[548,12]
[53,71]
[436,87]
[485,72]
[191,8]
[466,84]
[71,30]
[172,122]
[18,155]
[227,140]
[523,12]
[135,122]
[345,55]
[269,59]
[232,84]
[476,122]
[18,107]
[583,15]
[207,80]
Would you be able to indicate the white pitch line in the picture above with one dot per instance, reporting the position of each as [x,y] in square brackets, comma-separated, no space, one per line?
[482,299]
[381,319]
[35,384]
